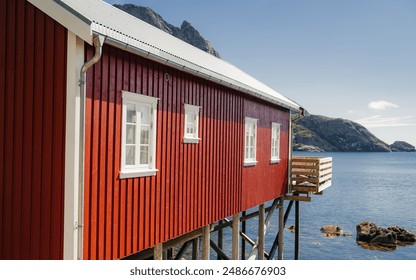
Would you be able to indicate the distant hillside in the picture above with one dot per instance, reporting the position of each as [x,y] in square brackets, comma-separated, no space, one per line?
[401,146]
[186,32]
[315,133]
[319,133]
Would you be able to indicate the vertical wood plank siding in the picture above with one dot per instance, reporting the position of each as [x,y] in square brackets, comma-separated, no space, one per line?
[266,181]
[32,132]
[196,184]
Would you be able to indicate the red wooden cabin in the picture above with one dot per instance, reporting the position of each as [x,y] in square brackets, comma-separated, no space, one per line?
[172,139]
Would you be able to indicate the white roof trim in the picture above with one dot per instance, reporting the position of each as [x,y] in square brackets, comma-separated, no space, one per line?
[85,17]
[80,26]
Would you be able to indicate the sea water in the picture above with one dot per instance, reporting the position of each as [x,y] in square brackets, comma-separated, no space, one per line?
[376,187]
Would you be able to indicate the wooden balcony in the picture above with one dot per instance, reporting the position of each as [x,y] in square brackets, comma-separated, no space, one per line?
[310,175]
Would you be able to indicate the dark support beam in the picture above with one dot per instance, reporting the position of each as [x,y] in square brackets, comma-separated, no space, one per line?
[183,250]
[261,232]
[195,249]
[169,254]
[297,230]
[289,207]
[243,241]
[220,237]
[220,252]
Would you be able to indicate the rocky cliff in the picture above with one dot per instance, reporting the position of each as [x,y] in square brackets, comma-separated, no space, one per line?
[186,32]
[319,133]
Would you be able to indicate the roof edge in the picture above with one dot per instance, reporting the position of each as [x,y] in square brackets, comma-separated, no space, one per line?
[67,17]
[168,59]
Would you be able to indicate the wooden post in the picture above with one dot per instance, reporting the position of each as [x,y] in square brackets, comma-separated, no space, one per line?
[281,229]
[236,237]
[195,249]
[206,237]
[158,252]
[296,230]
[261,233]
[243,241]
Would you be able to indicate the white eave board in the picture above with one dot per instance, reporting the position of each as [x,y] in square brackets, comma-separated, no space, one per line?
[79,25]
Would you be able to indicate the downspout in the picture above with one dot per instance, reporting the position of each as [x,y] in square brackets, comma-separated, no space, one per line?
[98,42]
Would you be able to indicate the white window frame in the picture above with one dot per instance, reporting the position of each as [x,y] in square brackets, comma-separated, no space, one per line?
[191,110]
[250,158]
[137,169]
[275,143]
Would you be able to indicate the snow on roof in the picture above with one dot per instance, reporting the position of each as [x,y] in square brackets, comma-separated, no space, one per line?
[87,18]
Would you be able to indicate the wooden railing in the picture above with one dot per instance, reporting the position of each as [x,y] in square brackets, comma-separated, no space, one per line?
[311,174]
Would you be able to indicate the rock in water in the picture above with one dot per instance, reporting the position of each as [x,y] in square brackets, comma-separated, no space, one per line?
[385,236]
[366,231]
[403,234]
[292,228]
[372,237]
[331,231]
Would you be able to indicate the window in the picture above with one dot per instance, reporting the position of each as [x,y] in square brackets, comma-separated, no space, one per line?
[250,142]
[138,148]
[275,149]
[191,124]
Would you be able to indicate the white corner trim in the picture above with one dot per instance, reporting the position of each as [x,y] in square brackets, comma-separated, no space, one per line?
[75,60]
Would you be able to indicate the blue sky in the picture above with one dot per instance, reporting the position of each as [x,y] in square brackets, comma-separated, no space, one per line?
[353,59]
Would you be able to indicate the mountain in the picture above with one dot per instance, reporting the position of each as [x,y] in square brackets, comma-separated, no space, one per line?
[186,32]
[319,133]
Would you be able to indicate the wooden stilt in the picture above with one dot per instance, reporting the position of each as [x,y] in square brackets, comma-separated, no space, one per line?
[158,252]
[261,233]
[281,229]
[297,230]
[236,237]
[206,236]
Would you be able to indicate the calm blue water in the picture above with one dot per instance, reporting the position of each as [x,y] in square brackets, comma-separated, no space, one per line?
[377,187]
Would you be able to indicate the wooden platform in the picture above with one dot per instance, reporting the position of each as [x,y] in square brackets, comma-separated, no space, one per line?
[310,175]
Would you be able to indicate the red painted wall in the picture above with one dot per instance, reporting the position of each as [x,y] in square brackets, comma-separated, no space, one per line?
[196,184]
[266,181]
[32,132]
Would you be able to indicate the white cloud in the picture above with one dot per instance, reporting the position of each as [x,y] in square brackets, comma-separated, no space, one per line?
[380,121]
[381,105]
